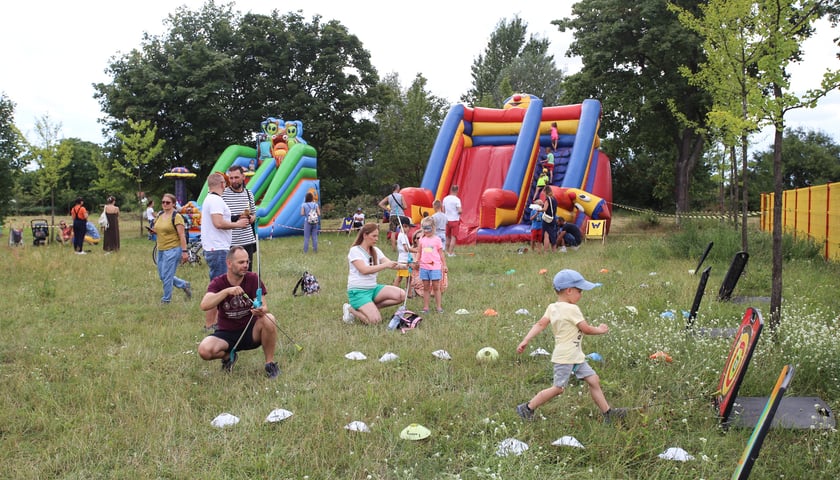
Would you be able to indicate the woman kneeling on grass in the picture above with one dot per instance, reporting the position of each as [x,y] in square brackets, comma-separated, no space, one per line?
[366,296]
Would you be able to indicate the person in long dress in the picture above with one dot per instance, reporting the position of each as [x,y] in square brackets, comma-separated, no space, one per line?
[112,233]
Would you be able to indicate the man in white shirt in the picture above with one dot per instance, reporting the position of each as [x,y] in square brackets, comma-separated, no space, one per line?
[216,232]
[452,209]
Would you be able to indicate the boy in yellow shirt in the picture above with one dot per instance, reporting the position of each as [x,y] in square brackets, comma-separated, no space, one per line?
[569,327]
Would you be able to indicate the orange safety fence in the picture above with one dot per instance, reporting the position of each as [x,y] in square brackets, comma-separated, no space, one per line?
[812,213]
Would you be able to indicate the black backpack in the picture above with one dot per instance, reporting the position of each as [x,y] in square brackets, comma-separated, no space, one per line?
[307,284]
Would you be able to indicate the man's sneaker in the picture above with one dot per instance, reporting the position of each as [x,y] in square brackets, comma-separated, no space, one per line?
[575,247]
[525,412]
[272,370]
[227,365]
[347,315]
[562,249]
[614,413]
[188,290]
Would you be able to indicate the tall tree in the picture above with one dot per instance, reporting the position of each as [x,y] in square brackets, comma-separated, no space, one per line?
[653,120]
[215,75]
[408,126]
[52,156]
[510,59]
[12,146]
[774,30]
[729,75]
[139,148]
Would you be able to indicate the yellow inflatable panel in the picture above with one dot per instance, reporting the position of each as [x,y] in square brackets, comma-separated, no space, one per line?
[564,127]
[505,216]
[496,128]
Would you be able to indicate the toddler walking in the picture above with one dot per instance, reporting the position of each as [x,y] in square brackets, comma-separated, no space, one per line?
[568,327]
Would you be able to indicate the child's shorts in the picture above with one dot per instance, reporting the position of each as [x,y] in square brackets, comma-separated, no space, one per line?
[562,372]
[432,275]
[402,273]
[537,235]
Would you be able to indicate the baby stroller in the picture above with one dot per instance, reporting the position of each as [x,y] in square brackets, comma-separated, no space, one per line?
[15,237]
[40,231]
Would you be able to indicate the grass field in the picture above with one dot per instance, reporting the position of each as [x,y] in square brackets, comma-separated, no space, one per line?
[100,381]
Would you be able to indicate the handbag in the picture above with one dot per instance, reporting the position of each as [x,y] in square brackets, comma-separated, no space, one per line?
[103,219]
[546,218]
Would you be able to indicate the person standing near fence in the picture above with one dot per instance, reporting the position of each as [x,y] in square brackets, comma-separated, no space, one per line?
[240,200]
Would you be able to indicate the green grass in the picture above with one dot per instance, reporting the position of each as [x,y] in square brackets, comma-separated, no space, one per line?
[100,381]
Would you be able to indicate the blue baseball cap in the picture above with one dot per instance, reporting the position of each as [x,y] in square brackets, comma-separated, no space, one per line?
[570,278]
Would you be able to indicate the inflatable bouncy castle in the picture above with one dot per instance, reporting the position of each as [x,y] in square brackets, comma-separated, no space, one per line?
[280,171]
[493,155]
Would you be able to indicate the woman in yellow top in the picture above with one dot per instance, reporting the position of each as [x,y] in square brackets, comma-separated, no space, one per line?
[171,246]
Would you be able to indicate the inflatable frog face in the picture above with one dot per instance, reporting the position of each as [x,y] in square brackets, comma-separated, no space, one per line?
[271,126]
[291,133]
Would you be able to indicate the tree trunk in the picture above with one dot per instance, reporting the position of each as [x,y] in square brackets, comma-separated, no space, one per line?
[692,148]
[733,186]
[776,292]
[744,206]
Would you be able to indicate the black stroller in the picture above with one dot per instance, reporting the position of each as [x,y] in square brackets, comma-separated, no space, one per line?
[40,231]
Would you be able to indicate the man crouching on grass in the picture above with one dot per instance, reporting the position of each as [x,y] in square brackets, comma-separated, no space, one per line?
[240,326]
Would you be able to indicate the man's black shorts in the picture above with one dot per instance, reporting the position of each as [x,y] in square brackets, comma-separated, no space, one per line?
[232,336]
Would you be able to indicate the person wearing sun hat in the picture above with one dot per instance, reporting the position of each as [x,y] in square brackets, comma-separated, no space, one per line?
[568,327]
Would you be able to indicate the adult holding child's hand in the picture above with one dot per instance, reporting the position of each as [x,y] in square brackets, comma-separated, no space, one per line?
[365,295]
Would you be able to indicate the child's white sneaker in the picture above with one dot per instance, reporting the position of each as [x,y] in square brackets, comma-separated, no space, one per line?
[562,249]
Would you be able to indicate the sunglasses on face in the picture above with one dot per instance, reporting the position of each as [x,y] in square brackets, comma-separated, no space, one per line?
[166,202]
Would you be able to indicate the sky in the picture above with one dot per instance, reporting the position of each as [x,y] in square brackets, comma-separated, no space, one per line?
[53,51]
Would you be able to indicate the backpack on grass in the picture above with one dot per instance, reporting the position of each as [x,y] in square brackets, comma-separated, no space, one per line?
[404,319]
[307,284]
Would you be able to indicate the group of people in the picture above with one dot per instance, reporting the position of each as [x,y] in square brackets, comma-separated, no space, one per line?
[238,318]
[79,230]
[549,231]
[447,217]
[367,297]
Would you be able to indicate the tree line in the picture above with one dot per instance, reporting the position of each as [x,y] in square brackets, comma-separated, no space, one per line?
[180,98]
